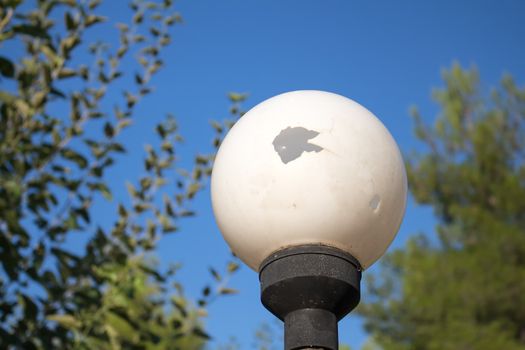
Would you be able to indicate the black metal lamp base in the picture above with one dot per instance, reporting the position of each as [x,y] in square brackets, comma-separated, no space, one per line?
[310,288]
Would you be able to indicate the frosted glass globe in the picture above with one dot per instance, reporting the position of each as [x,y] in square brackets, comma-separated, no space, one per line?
[308,167]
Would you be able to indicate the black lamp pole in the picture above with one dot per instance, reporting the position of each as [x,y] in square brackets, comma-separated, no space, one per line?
[310,288]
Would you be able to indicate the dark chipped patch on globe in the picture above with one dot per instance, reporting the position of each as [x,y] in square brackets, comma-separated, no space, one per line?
[292,142]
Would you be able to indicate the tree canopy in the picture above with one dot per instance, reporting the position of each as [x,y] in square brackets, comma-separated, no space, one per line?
[464,286]
[58,138]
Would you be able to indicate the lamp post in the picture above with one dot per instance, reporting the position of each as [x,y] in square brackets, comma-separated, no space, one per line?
[309,189]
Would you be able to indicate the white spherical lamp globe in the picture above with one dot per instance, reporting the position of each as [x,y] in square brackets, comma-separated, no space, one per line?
[308,167]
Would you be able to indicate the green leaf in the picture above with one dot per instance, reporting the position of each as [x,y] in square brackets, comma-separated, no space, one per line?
[123,123]
[75,157]
[38,99]
[31,30]
[138,79]
[175,18]
[122,211]
[152,272]
[93,19]
[23,107]
[138,18]
[141,207]
[186,213]
[66,73]
[109,130]
[12,187]
[30,308]
[201,160]
[123,27]
[84,213]
[69,44]
[217,126]
[236,97]
[102,188]
[215,274]
[11,3]
[53,57]
[176,324]
[93,4]
[179,305]
[200,333]
[131,189]
[66,321]
[130,99]
[193,189]
[57,93]
[154,31]
[117,147]
[146,183]
[71,222]
[122,51]
[232,267]
[71,24]
[139,38]
[7,68]
[7,98]
[124,315]
[228,291]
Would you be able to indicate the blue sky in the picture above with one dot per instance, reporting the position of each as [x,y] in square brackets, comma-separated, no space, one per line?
[387,55]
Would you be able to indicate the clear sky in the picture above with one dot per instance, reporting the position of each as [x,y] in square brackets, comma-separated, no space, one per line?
[387,55]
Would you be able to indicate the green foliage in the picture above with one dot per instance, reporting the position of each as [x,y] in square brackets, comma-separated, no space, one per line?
[205,161]
[131,314]
[57,140]
[467,291]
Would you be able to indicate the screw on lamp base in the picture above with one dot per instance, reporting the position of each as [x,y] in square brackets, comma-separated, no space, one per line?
[310,288]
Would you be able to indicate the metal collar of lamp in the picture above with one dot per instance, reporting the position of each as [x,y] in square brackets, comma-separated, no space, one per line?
[309,189]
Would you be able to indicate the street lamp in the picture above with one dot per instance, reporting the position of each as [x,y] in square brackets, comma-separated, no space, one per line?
[309,189]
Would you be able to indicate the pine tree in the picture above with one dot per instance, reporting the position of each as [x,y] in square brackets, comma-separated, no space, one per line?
[467,291]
